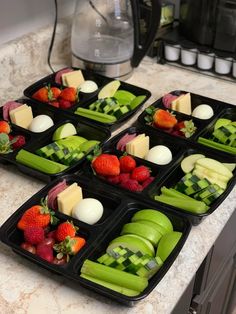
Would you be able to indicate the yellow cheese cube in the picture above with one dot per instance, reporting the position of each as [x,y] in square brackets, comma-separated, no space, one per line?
[184,104]
[68,198]
[139,146]
[175,102]
[129,145]
[22,116]
[73,79]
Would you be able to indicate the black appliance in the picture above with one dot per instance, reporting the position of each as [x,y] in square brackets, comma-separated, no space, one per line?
[209,22]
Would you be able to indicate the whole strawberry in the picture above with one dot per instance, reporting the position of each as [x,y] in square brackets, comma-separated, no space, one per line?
[106,165]
[70,94]
[131,185]
[34,235]
[185,128]
[64,104]
[47,93]
[4,127]
[70,246]
[140,173]
[163,119]
[127,163]
[37,215]
[64,230]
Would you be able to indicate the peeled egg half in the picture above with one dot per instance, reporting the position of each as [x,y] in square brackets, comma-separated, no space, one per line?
[88,87]
[160,155]
[203,112]
[88,210]
[41,123]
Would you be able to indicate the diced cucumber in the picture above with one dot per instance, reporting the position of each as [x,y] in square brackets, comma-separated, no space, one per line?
[210,199]
[212,188]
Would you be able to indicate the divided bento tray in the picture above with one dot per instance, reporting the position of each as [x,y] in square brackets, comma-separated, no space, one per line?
[164,175]
[35,141]
[118,210]
[204,127]
[85,99]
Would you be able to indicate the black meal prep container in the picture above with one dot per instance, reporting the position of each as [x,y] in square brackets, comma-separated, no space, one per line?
[118,210]
[86,99]
[84,129]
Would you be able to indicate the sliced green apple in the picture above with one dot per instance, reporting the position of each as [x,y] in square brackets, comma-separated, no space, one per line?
[133,242]
[64,131]
[188,163]
[109,89]
[230,166]
[154,216]
[72,141]
[142,230]
[167,244]
[86,146]
[154,225]
[124,97]
[212,176]
[214,165]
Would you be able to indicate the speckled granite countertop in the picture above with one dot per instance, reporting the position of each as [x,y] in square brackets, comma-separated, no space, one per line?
[26,288]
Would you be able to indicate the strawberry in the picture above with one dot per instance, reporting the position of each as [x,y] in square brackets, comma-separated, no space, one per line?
[127,163]
[45,252]
[34,235]
[113,179]
[185,128]
[164,119]
[64,104]
[54,103]
[70,246]
[106,165]
[28,247]
[37,215]
[5,127]
[124,177]
[131,185]
[140,173]
[147,182]
[70,94]
[65,229]
[18,141]
[47,94]
[55,92]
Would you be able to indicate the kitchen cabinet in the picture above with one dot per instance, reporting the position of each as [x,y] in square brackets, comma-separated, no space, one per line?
[213,288]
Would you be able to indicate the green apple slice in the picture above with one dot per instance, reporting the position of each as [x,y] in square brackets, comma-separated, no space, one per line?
[221,122]
[142,230]
[188,163]
[214,165]
[64,131]
[109,89]
[154,225]
[167,244]
[137,101]
[73,141]
[154,216]
[124,97]
[133,242]
[230,166]
[86,146]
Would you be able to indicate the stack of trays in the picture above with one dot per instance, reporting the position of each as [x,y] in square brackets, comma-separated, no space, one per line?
[134,209]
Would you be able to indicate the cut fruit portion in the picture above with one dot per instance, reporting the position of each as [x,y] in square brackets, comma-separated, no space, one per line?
[64,131]
[167,244]
[86,146]
[230,166]
[72,142]
[124,97]
[188,163]
[221,122]
[154,216]
[137,101]
[109,89]
[142,230]
[154,225]
[214,165]
[133,242]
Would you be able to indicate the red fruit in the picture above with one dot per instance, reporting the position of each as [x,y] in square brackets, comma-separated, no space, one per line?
[28,247]
[54,103]
[5,127]
[65,104]
[55,92]
[132,185]
[18,141]
[164,119]
[140,174]
[106,165]
[124,177]
[47,94]
[59,261]
[52,234]
[70,94]
[113,179]
[37,215]
[147,182]
[45,252]
[70,246]
[64,230]
[34,235]
[127,163]
[185,128]
[48,241]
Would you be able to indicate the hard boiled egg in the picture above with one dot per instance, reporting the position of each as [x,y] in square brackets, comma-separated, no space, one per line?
[88,210]
[41,123]
[160,155]
[88,87]
[203,112]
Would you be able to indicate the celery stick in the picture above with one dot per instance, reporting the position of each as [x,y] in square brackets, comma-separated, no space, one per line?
[39,163]
[98,116]
[223,147]
[193,206]
[122,290]
[174,193]
[114,276]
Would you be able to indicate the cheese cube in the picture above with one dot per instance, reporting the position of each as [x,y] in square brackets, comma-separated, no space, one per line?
[68,198]
[73,79]
[184,104]
[22,116]
[174,103]
[139,146]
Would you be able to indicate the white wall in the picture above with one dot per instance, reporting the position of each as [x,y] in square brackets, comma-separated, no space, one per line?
[18,17]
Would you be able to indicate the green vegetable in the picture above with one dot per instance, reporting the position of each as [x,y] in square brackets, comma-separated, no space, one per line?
[137,101]
[39,163]
[94,115]
[211,143]
[122,290]
[193,206]
[114,276]
[174,193]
